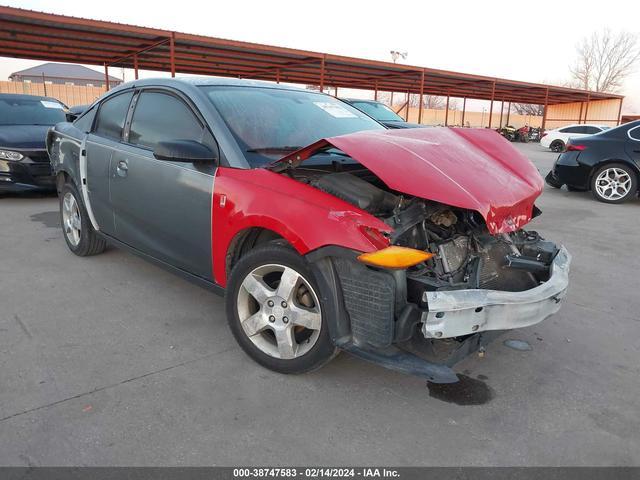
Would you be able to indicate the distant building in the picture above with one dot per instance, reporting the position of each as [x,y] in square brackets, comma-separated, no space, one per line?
[63,74]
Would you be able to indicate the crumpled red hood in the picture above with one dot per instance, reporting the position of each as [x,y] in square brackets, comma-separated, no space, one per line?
[476,169]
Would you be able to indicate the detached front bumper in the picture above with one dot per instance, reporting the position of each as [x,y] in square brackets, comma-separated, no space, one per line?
[464,312]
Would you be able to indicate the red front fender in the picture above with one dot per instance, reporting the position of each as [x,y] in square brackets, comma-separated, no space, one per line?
[304,216]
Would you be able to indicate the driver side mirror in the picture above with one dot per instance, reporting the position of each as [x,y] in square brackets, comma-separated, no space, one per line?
[188,151]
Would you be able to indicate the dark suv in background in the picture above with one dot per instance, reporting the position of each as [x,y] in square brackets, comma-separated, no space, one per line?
[24,121]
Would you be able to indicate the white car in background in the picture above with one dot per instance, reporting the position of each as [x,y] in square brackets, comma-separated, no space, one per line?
[556,139]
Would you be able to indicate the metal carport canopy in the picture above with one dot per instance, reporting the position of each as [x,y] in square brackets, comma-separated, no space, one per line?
[44,36]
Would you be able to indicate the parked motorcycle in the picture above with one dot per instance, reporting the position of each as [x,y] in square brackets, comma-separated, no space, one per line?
[535,134]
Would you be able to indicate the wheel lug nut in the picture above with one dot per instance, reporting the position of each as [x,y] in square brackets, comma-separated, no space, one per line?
[272,318]
[270,303]
[284,304]
[285,319]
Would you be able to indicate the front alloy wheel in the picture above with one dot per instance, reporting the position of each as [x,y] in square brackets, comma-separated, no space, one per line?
[614,183]
[279,311]
[275,310]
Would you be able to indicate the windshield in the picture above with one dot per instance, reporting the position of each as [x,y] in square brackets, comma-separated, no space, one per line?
[377,110]
[268,123]
[30,111]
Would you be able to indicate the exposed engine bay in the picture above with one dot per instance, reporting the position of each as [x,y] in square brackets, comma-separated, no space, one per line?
[466,256]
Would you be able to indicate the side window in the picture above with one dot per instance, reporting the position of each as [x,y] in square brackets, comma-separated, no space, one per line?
[572,130]
[111,116]
[591,130]
[85,121]
[634,133]
[159,117]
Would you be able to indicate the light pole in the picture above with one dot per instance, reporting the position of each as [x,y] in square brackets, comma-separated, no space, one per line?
[395,55]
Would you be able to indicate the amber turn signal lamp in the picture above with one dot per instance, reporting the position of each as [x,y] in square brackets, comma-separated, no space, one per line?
[395,257]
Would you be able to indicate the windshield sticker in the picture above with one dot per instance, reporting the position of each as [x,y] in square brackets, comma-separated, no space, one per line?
[49,104]
[335,110]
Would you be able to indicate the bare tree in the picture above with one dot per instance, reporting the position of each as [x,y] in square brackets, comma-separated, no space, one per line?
[605,60]
[428,101]
[527,109]
[434,102]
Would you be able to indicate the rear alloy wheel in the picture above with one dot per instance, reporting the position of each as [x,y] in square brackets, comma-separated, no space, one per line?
[71,222]
[557,146]
[78,232]
[614,183]
[275,313]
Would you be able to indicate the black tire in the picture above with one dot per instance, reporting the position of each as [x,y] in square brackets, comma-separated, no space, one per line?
[273,253]
[633,190]
[89,241]
[557,146]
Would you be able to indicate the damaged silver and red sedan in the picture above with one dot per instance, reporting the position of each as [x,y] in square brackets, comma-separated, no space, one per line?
[406,247]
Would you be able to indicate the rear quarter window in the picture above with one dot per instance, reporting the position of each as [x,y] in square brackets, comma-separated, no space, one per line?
[85,122]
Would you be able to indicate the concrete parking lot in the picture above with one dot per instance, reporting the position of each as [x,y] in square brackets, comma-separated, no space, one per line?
[109,360]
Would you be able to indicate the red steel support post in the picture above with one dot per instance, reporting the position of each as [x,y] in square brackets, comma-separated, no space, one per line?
[493,93]
[277,75]
[421,95]
[375,92]
[501,112]
[586,108]
[619,113]
[464,107]
[322,75]
[446,112]
[508,113]
[406,115]
[580,115]
[544,112]
[172,53]
[106,76]
[135,66]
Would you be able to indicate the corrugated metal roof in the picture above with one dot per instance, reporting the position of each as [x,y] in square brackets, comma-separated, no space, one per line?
[38,35]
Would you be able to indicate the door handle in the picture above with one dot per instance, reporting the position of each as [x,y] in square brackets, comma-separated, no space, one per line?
[122,168]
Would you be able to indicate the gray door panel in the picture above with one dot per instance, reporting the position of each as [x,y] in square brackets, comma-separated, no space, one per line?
[99,153]
[163,208]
